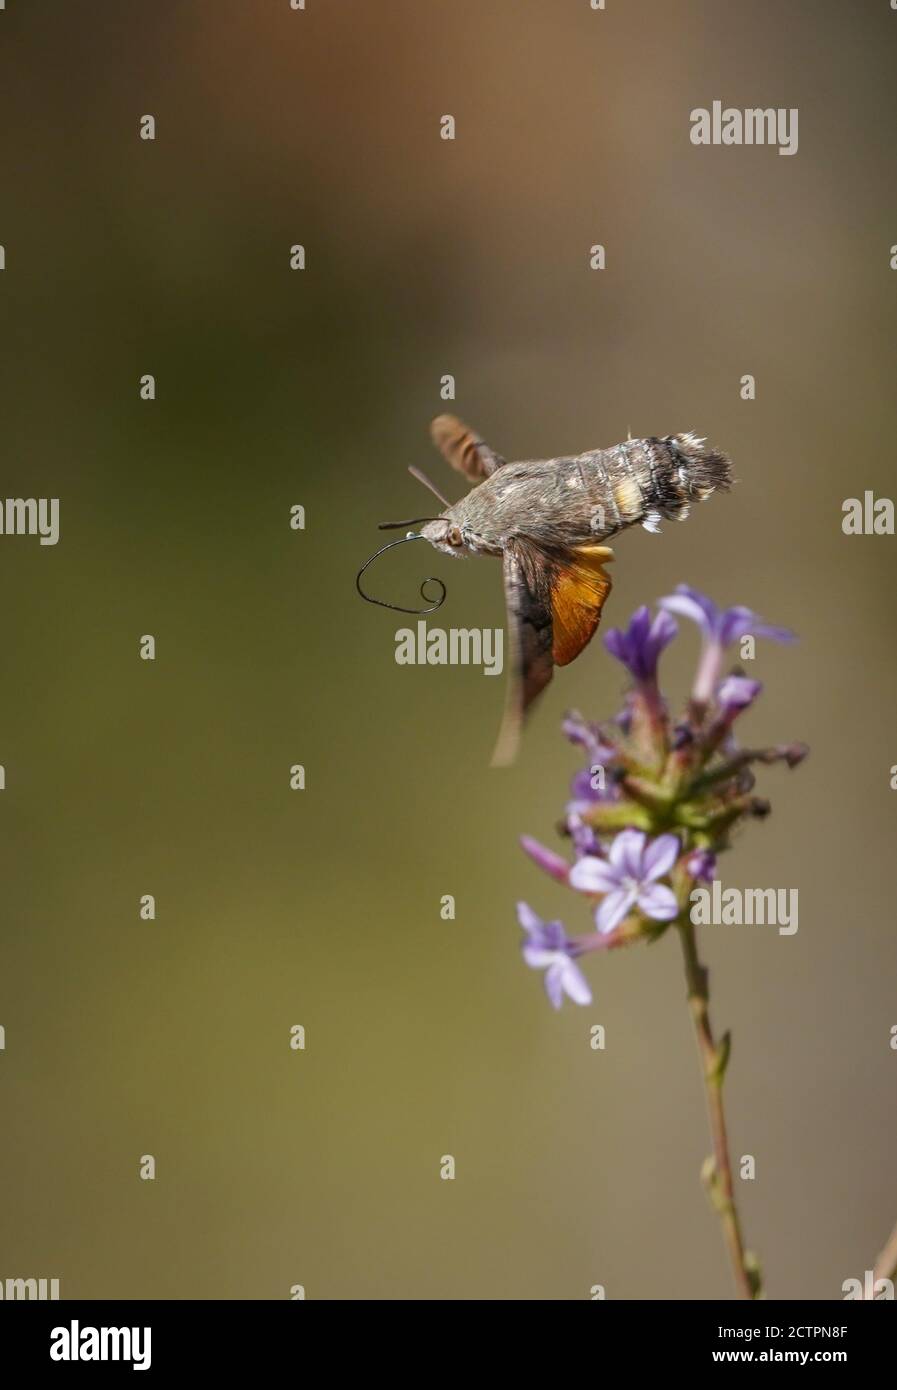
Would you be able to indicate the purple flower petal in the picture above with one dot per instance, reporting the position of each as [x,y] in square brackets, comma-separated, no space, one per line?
[585,841]
[658,901]
[734,623]
[739,621]
[722,625]
[585,735]
[625,853]
[774,634]
[701,863]
[554,984]
[663,630]
[659,857]
[613,909]
[548,936]
[538,957]
[575,983]
[639,647]
[688,603]
[530,921]
[616,644]
[593,875]
[581,789]
[737,692]
[640,625]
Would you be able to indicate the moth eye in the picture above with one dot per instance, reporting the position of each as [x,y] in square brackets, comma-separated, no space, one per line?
[454,535]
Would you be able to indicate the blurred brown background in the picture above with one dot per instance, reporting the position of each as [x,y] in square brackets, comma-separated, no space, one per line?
[322,907]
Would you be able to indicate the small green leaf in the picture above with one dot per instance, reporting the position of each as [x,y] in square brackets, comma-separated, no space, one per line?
[754,1273]
[721,1060]
[708,1171]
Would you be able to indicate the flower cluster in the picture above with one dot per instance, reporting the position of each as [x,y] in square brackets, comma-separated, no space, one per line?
[658,799]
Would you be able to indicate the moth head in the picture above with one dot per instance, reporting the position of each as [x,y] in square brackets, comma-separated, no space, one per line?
[446,535]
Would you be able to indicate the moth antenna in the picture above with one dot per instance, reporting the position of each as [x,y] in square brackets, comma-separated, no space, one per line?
[414,521]
[431,579]
[422,478]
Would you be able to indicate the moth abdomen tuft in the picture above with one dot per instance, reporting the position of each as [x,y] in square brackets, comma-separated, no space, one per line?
[673,472]
[701,470]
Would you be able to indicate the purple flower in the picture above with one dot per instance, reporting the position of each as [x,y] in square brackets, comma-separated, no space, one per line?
[735,694]
[547,948]
[585,839]
[587,736]
[701,863]
[583,792]
[553,864]
[627,878]
[639,647]
[723,625]
[719,628]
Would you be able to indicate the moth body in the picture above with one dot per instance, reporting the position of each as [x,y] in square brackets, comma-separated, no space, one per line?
[549,520]
[582,499]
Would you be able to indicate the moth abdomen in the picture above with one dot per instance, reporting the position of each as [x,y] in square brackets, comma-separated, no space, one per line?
[644,481]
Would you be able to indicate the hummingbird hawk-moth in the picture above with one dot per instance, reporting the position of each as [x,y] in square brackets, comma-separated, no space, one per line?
[548,520]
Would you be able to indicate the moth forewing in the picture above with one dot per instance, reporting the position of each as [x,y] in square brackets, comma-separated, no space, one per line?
[529,643]
[554,605]
[464,449]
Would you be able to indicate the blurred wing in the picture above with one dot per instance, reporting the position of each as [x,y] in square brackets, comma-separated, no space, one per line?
[554,606]
[464,449]
[529,640]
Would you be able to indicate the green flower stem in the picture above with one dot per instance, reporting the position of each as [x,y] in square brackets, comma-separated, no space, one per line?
[717,1171]
[648,735]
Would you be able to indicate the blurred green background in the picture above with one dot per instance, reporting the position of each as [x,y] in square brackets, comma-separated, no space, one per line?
[321,907]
